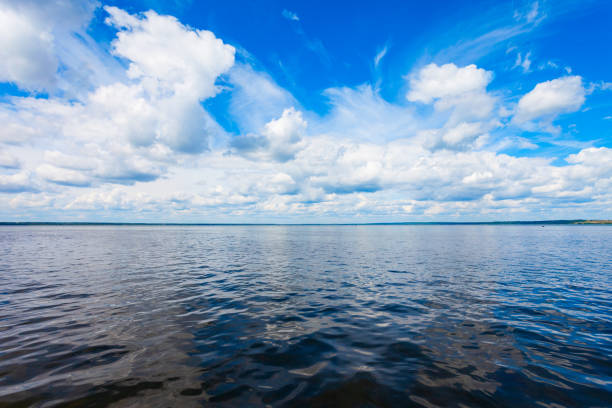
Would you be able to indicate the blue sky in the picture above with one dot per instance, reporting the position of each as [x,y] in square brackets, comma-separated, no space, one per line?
[216,111]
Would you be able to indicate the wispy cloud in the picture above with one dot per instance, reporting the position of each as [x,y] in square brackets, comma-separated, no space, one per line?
[313,44]
[532,14]
[290,15]
[523,61]
[380,55]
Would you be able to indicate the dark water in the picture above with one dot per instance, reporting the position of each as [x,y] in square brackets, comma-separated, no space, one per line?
[335,316]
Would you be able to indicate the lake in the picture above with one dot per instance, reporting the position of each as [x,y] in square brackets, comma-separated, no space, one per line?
[306,316]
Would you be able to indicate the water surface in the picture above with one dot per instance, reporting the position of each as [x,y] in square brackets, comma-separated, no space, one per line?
[425,315]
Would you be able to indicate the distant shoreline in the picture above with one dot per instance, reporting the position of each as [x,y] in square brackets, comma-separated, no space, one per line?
[543,222]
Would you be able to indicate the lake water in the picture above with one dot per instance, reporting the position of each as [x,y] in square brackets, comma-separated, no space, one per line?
[308,316]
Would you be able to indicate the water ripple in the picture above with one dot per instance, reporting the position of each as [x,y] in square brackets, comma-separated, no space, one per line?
[313,316]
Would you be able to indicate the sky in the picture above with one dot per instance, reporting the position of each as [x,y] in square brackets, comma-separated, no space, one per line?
[305,112]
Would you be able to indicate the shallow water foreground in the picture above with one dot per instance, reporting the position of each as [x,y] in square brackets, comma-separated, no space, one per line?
[425,315]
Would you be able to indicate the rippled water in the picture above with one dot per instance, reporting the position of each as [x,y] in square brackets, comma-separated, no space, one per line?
[306,316]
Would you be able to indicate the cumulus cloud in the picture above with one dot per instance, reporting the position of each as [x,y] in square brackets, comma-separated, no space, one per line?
[341,177]
[596,157]
[128,131]
[462,136]
[451,87]
[150,41]
[26,55]
[280,140]
[136,140]
[434,82]
[284,134]
[161,103]
[170,80]
[550,99]
[92,134]
[45,46]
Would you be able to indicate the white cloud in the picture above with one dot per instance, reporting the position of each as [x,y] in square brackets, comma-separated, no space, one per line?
[171,79]
[26,54]
[136,142]
[256,98]
[281,139]
[533,13]
[450,87]
[45,47]
[596,157]
[448,81]
[331,177]
[523,62]
[9,161]
[364,115]
[130,130]
[159,105]
[550,99]
[61,15]
[16,183]
[285,134]
[599,86]
[459,134]
[31,200]
[380,55]
[66,161]
[290,15]
[150,44]
[62,176]
[462,136]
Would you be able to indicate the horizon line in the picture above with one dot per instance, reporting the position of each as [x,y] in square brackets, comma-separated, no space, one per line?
[514,222]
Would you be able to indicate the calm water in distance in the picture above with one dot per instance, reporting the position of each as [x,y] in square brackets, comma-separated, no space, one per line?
[306,316]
